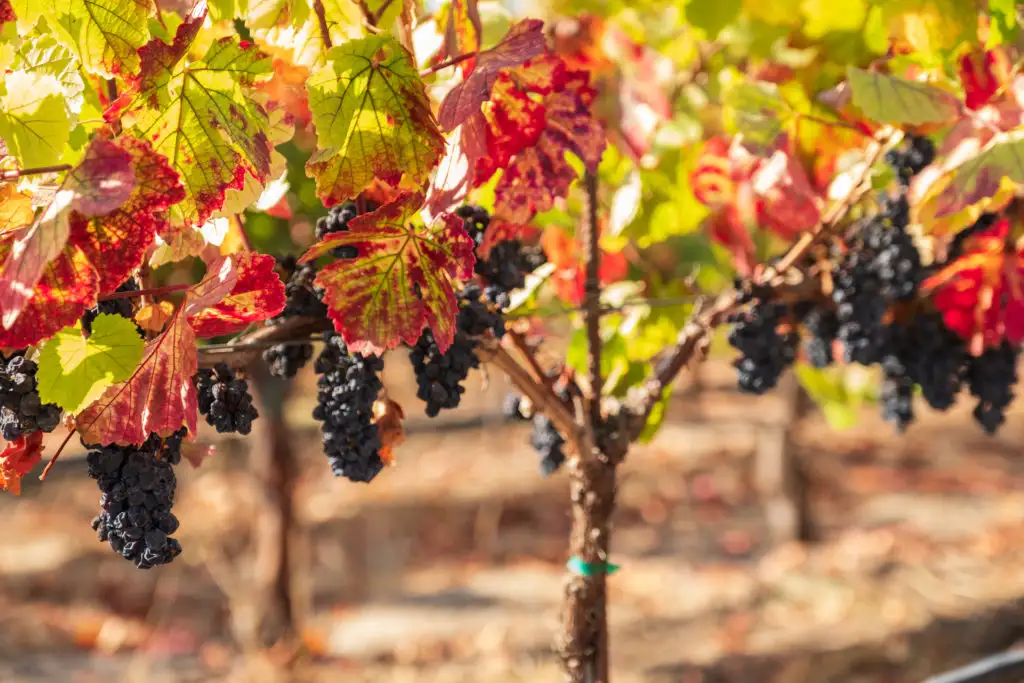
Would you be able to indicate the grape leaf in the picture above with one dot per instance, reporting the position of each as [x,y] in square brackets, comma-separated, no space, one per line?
[402,280]
[103,181]
[455,175]
[523,41]
[66,289]
[202,116]
[17,459]
[258,294]
[980,176]
[98,185]
[890,99]
[979,293]
[105,34]
[15,208]
[33,119]
[713,16]
[755,109]
[372,119]
[45,55]
[31,250]
[539,172]
[116,243]
[159,397]
[1003,27]
[75,370]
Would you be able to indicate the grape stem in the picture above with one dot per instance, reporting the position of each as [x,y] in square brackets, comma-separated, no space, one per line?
[155,291]
[16,173]
[321,18]
[447,63]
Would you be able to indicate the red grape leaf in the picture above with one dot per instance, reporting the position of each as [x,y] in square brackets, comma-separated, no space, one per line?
[116,243]
[6,12]
[456,174]
[538,172]
[66,289]
[981,76]
[18,459]
[104,180]
[97,184]
[402,280]
[158,398]
[981,294]
[220,278]
[258,294]
[523,41]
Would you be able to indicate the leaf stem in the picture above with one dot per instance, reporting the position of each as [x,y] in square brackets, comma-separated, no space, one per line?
[447,63]
[321,17]
[156,291]
[16,173]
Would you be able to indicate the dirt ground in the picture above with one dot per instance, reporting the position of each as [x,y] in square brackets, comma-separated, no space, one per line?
[449,567]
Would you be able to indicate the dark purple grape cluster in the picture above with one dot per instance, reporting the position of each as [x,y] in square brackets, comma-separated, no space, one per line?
[337,220]
[121,307]
[301,300]
[439,376]
[21,411]
[991,378]
[823,326]
[508,262]
[512,407]
[137,485]
[347,388]
[764,351]
[549,444]
[225,400]
[911,157]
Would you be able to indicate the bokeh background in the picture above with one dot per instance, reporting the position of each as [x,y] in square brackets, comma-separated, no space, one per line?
[756,541]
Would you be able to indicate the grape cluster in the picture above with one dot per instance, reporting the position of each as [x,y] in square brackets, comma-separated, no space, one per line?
[21,411]
[549,444]
[439,376]
[512,407]
[225,400]
[137,484]
[337,220]
[991,378]
[765,352]
[347,388]
[823,326]
[121,307]
[508,262]
[911,157]
[301,300]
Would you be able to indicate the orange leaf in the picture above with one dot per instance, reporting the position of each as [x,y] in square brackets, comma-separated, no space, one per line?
[18,459]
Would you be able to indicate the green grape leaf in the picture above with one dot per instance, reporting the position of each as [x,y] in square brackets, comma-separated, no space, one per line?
[45,55]
[712,16]
[980,177]
[75,370]
[890,99]
[828,16]
[202,116]
[656,417]
[1003,27]
[372,118]
[105,34]
[755,109]
[402,280]
[34,121]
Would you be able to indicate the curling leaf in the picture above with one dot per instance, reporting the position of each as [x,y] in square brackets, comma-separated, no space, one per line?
[258,294]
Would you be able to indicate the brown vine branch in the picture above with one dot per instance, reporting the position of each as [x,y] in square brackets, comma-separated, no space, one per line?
[15,173]
[321,18]
[156,291]
[592,299]
[447,63]
[379,14]
[245,349]
[695,333]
